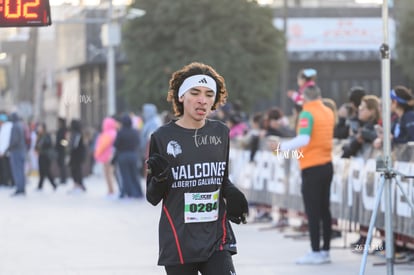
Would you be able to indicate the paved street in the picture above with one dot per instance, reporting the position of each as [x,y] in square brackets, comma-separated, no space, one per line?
[86,234]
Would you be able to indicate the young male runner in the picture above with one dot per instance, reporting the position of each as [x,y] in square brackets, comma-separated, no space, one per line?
[188,172]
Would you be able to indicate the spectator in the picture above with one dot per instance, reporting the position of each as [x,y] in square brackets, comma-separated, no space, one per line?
[17,154]
[137,122]
[368,116]
[61,144]
[44,150]
[348,113]
[33,156]
[6,178]
[90,134]
[255,133]
[127,144]
[238,109]
[402,103]
[277,125]
[151,123]
[315,134]
[237,126]
[104,151]
[402,132]
[306,77]
[252,142]
[77,153]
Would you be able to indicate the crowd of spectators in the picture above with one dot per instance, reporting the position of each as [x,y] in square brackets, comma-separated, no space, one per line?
[358,124]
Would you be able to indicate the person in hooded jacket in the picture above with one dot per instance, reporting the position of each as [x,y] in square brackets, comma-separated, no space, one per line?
[151,123]
[127,144]
[104,150]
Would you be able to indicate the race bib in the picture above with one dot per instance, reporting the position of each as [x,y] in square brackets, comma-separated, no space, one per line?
[201,207]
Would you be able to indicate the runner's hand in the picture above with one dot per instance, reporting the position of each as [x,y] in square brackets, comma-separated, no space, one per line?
[158,166]
[237,206]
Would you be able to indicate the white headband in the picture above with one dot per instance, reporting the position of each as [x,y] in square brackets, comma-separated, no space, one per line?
[195,81]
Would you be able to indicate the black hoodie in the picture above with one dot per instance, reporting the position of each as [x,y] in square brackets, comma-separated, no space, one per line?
[127,139]
[76,145]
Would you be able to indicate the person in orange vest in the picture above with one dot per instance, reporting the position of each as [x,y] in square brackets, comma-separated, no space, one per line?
[313,148]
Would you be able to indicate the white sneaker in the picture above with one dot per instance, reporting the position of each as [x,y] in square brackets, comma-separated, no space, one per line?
[325,256]
[76,191]
[312,258]
[111,196]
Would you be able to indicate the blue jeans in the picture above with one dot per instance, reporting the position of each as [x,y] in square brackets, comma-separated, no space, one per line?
[127,163]
[17,159]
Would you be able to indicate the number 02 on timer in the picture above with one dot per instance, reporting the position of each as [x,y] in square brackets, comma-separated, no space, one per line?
[24,13]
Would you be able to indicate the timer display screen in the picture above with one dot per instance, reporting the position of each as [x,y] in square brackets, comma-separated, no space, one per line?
[24,13]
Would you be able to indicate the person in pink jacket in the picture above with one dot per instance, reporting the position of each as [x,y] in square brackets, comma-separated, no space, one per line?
[104,150]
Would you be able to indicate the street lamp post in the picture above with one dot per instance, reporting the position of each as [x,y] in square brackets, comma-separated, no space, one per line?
[111,77]
[111,37]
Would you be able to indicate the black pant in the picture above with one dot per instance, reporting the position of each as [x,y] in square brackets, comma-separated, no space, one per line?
[44,170]
[316,188]
[76,172]
[62,166]
[220,263]
[5,172]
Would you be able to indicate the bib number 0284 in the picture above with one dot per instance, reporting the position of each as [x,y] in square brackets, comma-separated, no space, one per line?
[203,207]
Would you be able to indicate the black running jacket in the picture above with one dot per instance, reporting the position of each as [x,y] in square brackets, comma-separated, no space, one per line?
[193,223]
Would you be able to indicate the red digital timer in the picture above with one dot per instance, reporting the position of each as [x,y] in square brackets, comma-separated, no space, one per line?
[24,13]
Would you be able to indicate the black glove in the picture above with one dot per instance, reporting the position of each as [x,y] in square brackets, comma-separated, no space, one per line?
[158,166]
[237,206]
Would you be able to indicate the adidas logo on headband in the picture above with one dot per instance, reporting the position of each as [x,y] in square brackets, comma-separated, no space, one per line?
[197,80]
[203,81]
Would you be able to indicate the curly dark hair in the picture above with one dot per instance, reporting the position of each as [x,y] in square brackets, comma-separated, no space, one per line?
[195,68]
[275,113]
[355,95]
